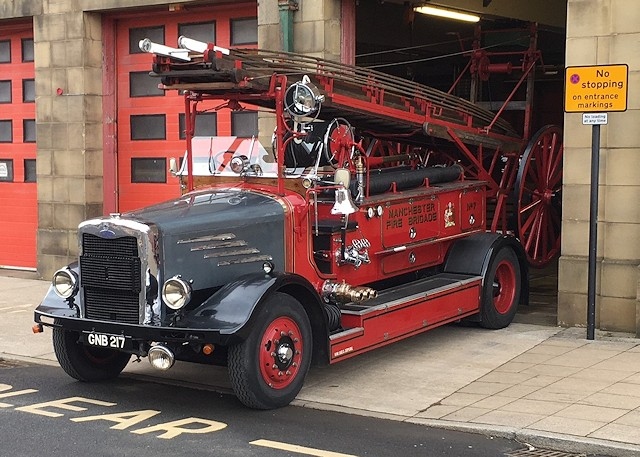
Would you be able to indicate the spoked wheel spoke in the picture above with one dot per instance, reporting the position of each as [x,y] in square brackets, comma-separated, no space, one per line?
[538,187]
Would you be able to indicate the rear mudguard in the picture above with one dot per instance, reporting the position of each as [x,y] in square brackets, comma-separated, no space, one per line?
[233,308]
[471,255]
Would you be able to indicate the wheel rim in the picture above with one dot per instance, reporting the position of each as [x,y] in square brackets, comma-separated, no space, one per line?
[539,186]
[504,287]
[281,352]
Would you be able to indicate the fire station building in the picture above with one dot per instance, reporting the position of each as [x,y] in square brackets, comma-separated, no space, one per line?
[84,130]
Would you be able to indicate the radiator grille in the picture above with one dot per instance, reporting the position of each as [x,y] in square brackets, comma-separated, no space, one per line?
[111,305]
[126,246]
[110,278]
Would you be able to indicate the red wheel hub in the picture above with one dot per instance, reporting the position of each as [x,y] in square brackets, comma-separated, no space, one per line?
[280,353]
[504,287]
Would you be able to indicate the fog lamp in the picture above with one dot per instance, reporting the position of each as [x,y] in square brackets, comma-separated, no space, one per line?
[176,292]
[161,357]
[65,283]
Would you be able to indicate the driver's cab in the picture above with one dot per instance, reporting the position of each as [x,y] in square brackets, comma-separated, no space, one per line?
[229,158]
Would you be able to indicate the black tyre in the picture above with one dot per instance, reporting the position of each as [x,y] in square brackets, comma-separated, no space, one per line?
[268,369]
[86,363]
[501,291]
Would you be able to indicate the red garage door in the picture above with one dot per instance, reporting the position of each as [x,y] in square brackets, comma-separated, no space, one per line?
[18,193]
[150,123]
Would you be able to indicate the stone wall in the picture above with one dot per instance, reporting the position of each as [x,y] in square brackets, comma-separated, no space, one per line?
[603,32]
[68,67]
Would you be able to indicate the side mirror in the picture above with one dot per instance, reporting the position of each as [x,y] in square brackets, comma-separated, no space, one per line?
[173,166]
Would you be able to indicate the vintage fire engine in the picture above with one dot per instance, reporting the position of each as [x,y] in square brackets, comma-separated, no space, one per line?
[320,246]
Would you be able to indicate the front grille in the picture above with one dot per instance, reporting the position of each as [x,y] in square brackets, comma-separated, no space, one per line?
[111,273]
[111,305]
[126,246]
[110,278]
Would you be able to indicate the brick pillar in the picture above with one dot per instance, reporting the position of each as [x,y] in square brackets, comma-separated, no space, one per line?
[68,68]
[601,32]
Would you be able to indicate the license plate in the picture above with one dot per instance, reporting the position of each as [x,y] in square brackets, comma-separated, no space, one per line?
[105,340]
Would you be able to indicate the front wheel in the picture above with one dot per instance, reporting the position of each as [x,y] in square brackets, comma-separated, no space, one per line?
[501,290]
[267,370]
[86,363]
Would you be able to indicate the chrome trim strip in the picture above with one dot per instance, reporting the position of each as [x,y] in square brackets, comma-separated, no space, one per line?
[231,253]
[255,258]
[220,245]
[220,237]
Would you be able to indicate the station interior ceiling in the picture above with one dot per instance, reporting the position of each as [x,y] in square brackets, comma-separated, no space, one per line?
[393,38]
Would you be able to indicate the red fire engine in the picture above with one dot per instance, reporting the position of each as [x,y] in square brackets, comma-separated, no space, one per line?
[351,230]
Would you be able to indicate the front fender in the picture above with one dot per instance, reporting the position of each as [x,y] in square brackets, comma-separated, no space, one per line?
[231,308]
[53,305]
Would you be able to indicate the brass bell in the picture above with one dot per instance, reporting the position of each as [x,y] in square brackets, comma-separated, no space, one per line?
[344,203]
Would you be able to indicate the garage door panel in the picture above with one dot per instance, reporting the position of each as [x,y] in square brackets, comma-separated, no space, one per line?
[18,199]
[146,139]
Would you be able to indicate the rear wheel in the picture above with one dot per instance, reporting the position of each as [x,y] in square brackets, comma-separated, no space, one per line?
[86,363]
[501,291]
[539,196]
[268,369]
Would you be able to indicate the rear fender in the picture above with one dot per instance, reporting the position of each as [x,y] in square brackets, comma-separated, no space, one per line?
[472,255]
[233,308]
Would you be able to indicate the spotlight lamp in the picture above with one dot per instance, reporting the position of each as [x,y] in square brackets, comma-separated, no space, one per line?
[303,99]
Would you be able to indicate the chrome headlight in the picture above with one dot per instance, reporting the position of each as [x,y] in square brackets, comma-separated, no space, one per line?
[65,283]
[239,164]
[176,292]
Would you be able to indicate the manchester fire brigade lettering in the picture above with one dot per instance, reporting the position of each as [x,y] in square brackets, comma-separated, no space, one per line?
[411,214]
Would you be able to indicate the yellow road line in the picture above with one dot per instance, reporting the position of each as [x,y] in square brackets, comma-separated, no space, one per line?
[298,449]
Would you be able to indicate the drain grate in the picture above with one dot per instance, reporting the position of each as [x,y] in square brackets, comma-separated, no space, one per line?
[541,453]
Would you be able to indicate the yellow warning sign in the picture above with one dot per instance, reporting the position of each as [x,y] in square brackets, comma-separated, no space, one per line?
[599,88]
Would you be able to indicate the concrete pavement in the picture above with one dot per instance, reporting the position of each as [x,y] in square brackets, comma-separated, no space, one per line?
[542,385]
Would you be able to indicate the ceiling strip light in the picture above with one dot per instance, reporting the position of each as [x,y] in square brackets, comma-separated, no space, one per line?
[449,14]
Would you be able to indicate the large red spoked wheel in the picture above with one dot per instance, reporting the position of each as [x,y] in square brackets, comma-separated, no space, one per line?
[501,289]
[539,198]
[268,369]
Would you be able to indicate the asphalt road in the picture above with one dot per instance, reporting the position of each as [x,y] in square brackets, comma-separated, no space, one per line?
[44,412]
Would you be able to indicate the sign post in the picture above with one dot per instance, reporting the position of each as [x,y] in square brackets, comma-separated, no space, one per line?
[594,91]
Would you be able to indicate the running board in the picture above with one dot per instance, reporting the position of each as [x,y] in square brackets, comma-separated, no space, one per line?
[404,311]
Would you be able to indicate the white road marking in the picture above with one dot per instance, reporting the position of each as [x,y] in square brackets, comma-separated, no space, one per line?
[298,449]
